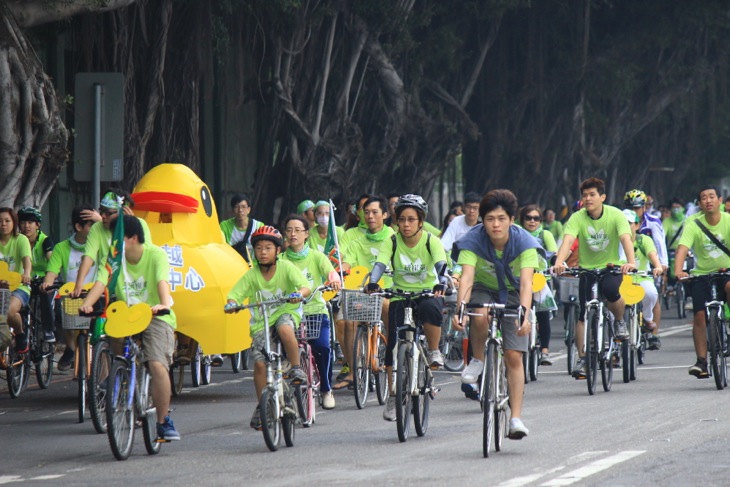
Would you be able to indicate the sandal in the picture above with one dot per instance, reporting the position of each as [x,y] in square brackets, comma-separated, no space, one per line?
[343,384]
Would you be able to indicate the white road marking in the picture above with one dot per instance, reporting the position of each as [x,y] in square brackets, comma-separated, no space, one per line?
[592,468]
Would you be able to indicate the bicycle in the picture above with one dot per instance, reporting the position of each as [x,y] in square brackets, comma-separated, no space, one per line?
[128,397]
[277,405]
[40,353]
[452,341]
[531,359]
[599,345]
[633,317]
[413,376]
[717,340]
[85,350]
[368,367]
[493,391]
[569,297]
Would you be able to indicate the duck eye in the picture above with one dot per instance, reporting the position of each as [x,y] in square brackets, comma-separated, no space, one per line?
[207,200]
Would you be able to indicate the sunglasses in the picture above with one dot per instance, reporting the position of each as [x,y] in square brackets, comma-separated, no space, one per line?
[533,218]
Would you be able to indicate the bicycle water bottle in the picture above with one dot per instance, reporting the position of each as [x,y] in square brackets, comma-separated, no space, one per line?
[97,330]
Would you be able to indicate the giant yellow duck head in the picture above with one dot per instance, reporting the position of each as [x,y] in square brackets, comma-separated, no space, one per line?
[178,208]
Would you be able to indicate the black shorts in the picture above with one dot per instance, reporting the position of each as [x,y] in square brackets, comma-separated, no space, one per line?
[426,310]
[701,292]
[608,288]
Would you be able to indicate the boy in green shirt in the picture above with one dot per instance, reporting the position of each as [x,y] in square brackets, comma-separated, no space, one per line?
[144,279]
[600,230]
[237,230]
[708,258]
[272,278]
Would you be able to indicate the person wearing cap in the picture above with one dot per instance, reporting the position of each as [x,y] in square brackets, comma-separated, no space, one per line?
[318,234]
[99,240]
[238,229]
[647,259]
[306,210]
[29,222]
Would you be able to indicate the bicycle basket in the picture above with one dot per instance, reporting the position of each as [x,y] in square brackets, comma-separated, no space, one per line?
[568,288]
[70,319]
[311,327]
[4,304]
[359,306]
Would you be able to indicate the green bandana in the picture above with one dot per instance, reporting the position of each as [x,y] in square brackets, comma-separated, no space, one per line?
[378,236]
[301,255]
[74,244]
[537,233]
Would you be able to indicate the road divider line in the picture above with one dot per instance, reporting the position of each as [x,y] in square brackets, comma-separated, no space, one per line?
[592,468]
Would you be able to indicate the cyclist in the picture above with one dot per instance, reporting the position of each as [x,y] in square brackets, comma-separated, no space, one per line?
[317,269]
[646,258]
[673,226]
[651,225]
[463,223]
[15,251]
[600,230]
[272,278]
[41,246]
[144,279]
[555,227]
[99,239]
[354,231]
[418,261]
[530,218]
[65,263]
[497,261]
[318,234]
[237,230]
[363,251]
[711,254]
[306,211]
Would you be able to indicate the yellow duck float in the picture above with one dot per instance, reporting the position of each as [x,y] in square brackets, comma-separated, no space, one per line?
[178,207]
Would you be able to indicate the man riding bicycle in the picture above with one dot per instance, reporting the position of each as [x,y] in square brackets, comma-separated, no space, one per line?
[600,230]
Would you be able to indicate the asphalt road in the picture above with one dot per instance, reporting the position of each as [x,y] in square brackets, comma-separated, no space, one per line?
[665,428]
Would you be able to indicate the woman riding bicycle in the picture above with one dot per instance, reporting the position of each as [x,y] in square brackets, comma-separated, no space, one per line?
[15,251]
[418,261]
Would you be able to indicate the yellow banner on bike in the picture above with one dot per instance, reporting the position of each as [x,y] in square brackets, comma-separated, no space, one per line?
[631,292]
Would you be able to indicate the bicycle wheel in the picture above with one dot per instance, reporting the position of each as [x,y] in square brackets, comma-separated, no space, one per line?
[361,366]
[501,404]
[489,397]
[304,393]
[43,360]
[17,373]
[591,345]
[270,424]
[714,347]
[403,391]
[205,367]
[422,402]
[641,349]
[289,419]
[572,350]
[626,347]
[101,360]
[177,378]
[235,362]
[533,362]
[245,355]
[608,352]
[148,413]
[681,298]
[82,361]
[381,375]
[454,351]
[120,415]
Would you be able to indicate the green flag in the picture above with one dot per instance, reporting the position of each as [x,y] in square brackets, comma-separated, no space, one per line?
[331,245]
[116,252]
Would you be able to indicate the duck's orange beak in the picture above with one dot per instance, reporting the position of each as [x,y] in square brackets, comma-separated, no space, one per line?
[164,202]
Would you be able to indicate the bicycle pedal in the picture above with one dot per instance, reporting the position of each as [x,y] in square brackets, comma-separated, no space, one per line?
[161,440]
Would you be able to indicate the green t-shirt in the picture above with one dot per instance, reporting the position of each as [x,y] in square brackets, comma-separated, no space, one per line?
[363,251]
[671,227]
[66,260]
[317,243]
[484,272]
[643,246]
[233,234]
[708,257]
[413,268]
[137,283]
[287,279]
[100,239]
[13,253]
[315,267]
[38,254]
[598,240]
[556,229]
[351,235]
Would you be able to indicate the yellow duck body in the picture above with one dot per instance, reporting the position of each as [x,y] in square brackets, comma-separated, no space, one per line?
[182,217]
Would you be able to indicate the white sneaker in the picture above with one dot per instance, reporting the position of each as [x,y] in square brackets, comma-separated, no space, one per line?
[328,400]
[435,359]
[389,411]
[517,430]
[471,373]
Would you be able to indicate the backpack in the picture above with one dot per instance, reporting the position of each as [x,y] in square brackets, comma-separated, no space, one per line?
[393,239]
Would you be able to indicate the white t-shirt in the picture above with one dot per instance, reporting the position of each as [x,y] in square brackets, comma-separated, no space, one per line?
[456,229]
